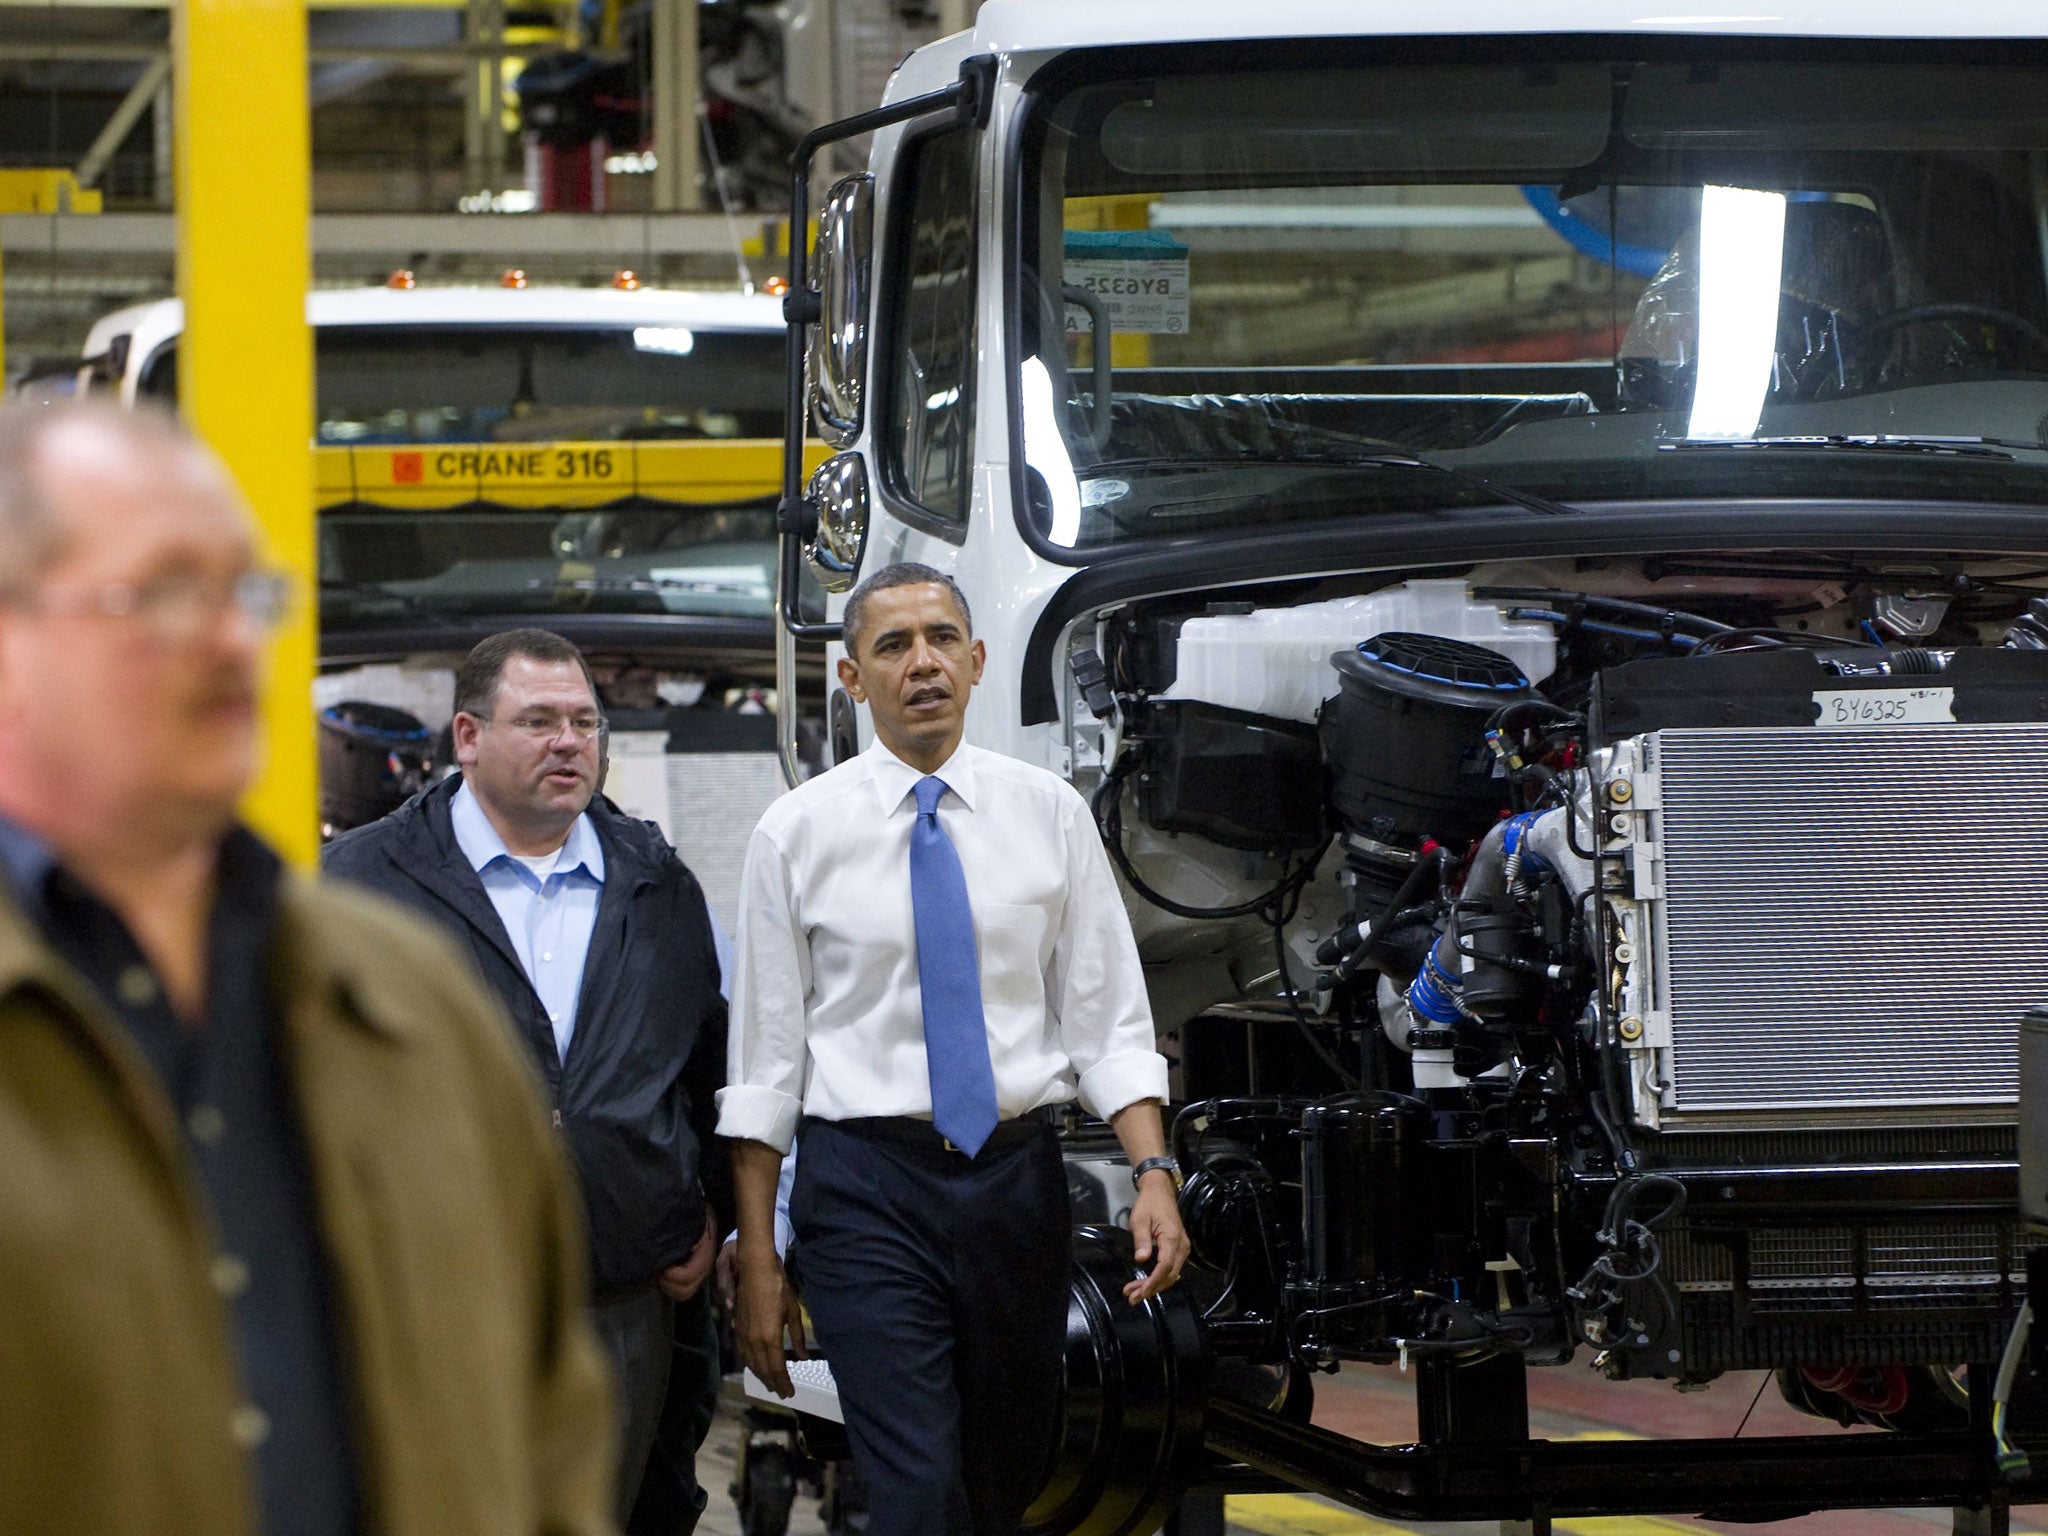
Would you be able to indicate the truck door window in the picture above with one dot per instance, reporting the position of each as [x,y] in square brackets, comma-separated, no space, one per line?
[926,424]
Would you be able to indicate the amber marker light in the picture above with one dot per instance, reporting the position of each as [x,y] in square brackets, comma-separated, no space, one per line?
[515,277]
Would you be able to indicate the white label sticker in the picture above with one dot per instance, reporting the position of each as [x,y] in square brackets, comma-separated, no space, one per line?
[1139,294]
[1891,706]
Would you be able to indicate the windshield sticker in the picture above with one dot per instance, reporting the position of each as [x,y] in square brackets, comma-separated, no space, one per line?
[1139,277]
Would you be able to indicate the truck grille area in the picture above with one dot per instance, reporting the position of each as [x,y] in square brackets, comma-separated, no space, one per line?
[1926,1292]
[1845,919]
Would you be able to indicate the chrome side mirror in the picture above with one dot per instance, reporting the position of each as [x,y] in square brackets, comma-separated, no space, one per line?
[843,265]
[837,498]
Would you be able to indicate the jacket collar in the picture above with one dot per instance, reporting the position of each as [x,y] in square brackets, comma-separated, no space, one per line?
[26,959]
[248,872]
[304,962]
[424,849]
[306,956]
[425,826]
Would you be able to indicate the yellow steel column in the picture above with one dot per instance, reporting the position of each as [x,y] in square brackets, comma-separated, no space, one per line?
[245,368]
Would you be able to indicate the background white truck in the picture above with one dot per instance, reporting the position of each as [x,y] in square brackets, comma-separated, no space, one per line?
[598,461]
[1531,526]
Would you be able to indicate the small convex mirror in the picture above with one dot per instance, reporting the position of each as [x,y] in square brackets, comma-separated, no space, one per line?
[839,346]
[837,496]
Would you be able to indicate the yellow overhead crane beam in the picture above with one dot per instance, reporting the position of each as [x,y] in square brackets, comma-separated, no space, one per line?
[552,476]
[244,217]
[161,5]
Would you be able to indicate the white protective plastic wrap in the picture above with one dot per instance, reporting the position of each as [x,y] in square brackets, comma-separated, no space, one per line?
[1276,661]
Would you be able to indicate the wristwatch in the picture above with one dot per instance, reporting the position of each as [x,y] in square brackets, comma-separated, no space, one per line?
[1150,1163]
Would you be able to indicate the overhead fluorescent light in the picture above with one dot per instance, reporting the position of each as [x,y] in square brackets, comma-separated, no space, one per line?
[1344,216]
[1742,254]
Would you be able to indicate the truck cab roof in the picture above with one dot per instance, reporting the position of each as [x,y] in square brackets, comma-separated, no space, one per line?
[1019,26]
[139,330]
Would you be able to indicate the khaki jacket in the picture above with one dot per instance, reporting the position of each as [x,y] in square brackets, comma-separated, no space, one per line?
[480,1401]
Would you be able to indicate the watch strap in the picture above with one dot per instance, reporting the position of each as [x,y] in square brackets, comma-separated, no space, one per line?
[1151,1163]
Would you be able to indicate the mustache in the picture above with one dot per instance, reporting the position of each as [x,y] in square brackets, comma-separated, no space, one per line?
[228,687]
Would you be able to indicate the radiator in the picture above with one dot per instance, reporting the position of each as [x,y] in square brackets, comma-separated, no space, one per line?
[1831,920]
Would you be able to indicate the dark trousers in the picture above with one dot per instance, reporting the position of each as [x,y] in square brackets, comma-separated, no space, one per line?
[638,1330]
[938,1288]
[670,1500]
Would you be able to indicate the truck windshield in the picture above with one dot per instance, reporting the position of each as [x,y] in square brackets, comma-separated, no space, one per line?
[389,569]
[485,384]
[1261,286]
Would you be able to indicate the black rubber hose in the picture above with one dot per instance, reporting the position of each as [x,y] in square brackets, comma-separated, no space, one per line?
[1345,940]
[1611,604]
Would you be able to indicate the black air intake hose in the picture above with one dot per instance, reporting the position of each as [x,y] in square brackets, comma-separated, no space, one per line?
[1916,661]
[2029,631]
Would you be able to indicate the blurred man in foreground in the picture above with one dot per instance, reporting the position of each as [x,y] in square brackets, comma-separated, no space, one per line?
[285,1243]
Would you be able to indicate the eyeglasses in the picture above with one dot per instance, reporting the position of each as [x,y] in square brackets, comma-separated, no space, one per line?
[175,609]
[546,725]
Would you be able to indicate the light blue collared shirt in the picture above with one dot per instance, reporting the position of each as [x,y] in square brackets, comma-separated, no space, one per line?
[549,921]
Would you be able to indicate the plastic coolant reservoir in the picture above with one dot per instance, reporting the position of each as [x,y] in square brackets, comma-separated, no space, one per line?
[1276,661]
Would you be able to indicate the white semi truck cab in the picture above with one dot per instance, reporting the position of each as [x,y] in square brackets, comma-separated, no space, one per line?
[1529,524]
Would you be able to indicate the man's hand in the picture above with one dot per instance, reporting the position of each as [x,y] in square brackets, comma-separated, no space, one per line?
[679,1282]
[1155,1219]
[767,1306]
[1156,1229]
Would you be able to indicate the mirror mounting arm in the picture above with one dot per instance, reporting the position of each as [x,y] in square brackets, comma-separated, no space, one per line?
[972,97]
[978,89]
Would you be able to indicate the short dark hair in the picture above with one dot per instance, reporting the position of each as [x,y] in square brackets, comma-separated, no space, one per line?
[476,682]
[905,573]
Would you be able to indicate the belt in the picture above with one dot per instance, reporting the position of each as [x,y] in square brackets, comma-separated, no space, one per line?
[922,1133]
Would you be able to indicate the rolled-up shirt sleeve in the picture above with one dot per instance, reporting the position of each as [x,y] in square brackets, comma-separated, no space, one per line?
[1105,1017]
[765,1057]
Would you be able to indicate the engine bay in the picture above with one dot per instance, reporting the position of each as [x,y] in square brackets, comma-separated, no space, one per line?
[1626,954]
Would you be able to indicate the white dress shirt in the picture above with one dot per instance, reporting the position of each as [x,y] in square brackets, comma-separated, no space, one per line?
[827,1019]
[548,905]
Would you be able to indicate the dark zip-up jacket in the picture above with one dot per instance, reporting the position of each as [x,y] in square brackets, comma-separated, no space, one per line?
[634,1098]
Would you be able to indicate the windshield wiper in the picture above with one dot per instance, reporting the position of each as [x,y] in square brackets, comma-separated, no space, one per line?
[1962,447]
[1328,459]
[654,584]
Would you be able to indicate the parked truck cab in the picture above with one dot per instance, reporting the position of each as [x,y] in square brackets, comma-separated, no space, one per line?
[1530,527]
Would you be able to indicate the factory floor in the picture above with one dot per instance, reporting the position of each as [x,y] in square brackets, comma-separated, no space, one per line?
[1375,1404]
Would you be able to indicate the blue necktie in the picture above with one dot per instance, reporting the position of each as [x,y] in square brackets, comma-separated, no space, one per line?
[949,977]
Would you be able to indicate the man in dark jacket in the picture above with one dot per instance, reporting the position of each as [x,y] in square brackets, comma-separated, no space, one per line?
[599,943]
